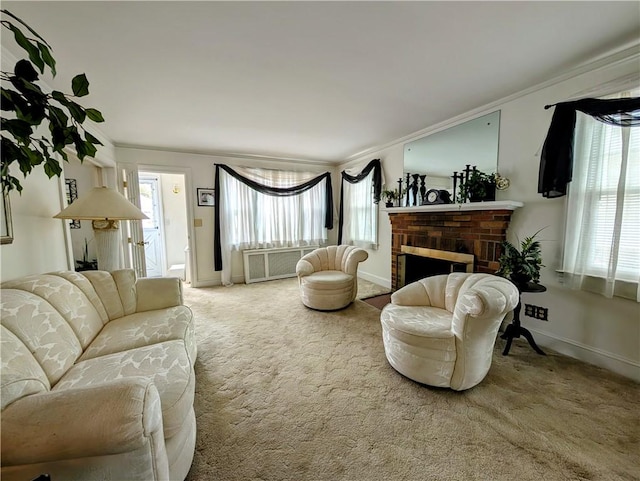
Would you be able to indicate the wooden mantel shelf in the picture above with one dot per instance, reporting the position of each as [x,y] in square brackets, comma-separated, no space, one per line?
[470,206]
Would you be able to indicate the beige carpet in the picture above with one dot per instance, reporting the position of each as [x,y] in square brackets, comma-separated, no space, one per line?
[287,393]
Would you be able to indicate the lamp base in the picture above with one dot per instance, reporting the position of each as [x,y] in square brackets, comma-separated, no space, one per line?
[107,241]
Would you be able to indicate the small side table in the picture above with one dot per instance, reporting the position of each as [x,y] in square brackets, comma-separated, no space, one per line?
[515,330]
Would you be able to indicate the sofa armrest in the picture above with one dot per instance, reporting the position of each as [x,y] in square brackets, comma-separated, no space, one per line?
[158,293]
[109,418]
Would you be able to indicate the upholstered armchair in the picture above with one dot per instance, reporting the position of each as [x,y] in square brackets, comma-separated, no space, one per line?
[328,276]
[441,330]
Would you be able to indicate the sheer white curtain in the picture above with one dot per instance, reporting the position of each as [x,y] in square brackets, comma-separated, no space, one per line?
[360,214]
[602,247]
[251,220]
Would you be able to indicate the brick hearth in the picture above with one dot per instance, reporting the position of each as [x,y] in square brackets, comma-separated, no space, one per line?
[477,232]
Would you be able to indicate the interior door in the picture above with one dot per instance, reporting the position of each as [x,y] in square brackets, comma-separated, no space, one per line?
[152,227]
[136,256]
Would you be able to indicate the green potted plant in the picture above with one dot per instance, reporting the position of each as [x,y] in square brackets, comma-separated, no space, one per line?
[37,126]
[521,266]
[390,196]
[478,187]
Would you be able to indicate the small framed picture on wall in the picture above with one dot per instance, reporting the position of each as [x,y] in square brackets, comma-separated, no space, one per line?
[206,197]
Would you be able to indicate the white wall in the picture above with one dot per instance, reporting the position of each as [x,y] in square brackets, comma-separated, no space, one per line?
[200,173]
[587,326]
[39,243]
[174,210]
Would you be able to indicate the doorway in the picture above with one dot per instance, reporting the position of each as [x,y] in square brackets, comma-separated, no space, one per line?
[153,227]
[166,235]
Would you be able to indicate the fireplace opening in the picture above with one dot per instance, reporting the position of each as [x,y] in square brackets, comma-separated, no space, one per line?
[415,263]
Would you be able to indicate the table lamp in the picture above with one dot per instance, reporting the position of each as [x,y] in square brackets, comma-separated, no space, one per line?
[104,207]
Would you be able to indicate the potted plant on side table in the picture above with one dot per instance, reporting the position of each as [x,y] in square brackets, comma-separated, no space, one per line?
[522,267]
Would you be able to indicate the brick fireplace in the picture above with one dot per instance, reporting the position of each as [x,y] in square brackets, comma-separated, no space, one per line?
[475,228]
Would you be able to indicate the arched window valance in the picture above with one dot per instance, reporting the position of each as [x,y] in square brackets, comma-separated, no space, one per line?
[286,184]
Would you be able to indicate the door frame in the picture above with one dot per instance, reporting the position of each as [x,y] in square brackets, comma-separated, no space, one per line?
[191,259]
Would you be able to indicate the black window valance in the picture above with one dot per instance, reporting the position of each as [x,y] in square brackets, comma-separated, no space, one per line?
[354,179]
[556,162]
[268,190]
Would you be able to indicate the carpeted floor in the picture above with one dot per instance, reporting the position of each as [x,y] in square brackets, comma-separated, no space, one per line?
[287,393]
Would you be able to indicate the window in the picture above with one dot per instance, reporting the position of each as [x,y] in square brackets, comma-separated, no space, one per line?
[250,219]
[359,197]
[360,214]
[602,251]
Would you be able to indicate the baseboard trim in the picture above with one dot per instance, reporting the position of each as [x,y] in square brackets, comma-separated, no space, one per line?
[216,282]
[381,281]
[592,355]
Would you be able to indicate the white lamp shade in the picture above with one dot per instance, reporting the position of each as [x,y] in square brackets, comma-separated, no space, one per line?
[101,203]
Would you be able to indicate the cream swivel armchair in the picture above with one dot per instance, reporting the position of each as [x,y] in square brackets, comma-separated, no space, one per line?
[441,330]
[328,276]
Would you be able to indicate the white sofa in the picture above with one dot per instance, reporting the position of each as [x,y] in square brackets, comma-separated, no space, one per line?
[328,276]
[97,377]
[441,330]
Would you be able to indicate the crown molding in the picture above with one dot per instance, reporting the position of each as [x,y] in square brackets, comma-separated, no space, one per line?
[625,53]
[231,155]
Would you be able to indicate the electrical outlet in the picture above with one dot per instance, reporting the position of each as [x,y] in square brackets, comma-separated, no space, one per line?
[537,312]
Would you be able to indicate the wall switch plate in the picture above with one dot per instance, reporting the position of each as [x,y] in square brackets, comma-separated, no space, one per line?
[197,222]
[537,312]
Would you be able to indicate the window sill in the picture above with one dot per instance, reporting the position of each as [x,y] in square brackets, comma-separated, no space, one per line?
[597,285]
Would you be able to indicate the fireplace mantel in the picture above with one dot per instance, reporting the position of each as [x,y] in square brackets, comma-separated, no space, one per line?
[470,206]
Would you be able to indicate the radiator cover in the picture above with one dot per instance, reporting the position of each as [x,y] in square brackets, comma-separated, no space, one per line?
[268,264]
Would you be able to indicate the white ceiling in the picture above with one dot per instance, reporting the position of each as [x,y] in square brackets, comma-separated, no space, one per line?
[319,81]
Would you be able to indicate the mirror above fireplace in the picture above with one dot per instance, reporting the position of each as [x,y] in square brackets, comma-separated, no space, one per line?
[438,155]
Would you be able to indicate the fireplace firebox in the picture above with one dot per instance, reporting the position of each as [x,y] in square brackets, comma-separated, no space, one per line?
[415,263]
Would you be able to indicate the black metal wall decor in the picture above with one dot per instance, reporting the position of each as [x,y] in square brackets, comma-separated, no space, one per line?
[72,194]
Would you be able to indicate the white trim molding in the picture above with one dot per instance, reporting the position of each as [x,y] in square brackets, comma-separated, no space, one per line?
[582,352]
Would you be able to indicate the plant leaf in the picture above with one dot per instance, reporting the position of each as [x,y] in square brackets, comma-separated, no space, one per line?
[24,69]
[77,112]
[94,115]
[7,12]
[80,85]
[58,116]
[60,97]
[92,139]
[47,58]
[31,49]
[20,129]
[90,149]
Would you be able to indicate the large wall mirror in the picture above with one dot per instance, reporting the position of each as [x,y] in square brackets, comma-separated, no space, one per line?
[438,155]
